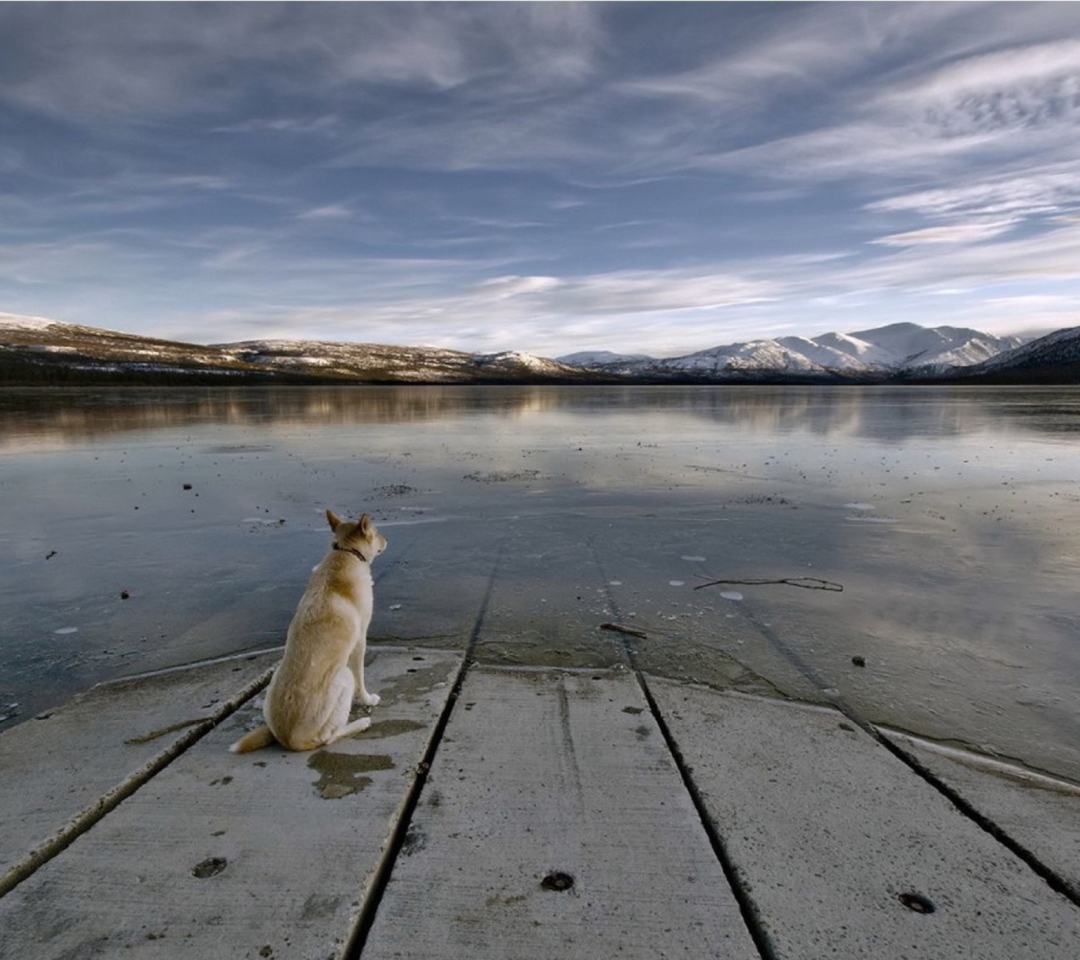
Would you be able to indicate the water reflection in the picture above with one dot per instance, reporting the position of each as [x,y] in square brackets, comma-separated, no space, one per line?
[71,415]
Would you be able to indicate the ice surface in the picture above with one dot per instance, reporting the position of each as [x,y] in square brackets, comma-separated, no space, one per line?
[173,526]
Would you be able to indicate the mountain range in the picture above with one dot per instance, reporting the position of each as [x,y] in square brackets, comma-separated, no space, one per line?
[900,348]
[36,350]
[1054,358]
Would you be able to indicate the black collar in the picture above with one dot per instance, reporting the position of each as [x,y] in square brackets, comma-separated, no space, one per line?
[356,553]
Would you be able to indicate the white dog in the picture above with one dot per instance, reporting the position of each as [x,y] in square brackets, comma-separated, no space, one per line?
[312,689]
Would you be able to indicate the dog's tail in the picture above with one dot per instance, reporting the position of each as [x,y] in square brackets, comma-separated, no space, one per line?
[255,740]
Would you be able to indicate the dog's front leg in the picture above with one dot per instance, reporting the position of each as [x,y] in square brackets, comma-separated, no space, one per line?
[356,664]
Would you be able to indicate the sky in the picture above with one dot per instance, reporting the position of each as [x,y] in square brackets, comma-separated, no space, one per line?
[551,178]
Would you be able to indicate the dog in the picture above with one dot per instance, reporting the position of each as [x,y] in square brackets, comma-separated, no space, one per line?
[312,689]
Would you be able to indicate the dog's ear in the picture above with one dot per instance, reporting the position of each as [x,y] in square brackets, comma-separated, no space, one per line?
[364,526]
[333,519]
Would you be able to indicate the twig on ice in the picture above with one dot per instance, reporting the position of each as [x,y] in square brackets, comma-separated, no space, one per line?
[807,583]
[629,631]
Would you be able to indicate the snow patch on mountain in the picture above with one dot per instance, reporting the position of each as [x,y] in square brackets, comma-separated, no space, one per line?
[842,350]
[515,359]
[753,355]
[14,321]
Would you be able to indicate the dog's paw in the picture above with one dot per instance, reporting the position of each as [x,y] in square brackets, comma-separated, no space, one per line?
[368,699]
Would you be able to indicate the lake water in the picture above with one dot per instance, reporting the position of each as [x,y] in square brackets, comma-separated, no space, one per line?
[148,528]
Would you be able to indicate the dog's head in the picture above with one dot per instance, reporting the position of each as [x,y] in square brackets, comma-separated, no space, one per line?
[360,535]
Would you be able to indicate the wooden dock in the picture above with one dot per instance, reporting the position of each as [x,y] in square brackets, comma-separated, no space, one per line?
[509,812]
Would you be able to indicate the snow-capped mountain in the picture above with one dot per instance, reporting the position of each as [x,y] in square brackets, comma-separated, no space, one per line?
[1054,358]
[915,348]
[899,347]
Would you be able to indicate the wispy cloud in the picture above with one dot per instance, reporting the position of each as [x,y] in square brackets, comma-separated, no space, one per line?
[99,60]
[301,126]
[35,264]
[1023,101]
[328,211]
[954,233]
[538,313]
[1048,256]
[1053,189]
[1024,85]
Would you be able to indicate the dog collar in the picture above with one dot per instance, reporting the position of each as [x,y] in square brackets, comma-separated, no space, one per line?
[356,553]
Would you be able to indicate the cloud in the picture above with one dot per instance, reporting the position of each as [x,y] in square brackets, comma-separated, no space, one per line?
[329,211]
[32,264]
[748,76]
[97,60]
[423,87]
[508,288]
[1049,256]
[645,291]
[496,223]
[302,126]
[92,61]
[1042,312]
[567,132]
[539,313]
[1025,82]
[1012,103]
[509,47]
[1055,188]
[807,53]
[954,233]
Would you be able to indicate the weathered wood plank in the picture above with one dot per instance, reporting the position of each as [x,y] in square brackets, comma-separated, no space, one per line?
[544,773]
[828,832]
[265,854]
[62,770]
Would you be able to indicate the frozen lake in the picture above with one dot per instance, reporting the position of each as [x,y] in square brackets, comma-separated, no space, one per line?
[147,528]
